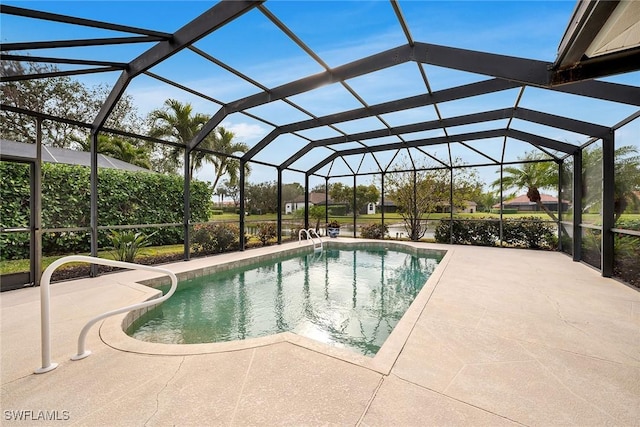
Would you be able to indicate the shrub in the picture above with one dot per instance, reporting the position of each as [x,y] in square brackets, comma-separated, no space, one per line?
[127,244]
[505,211]
[528,232]
[214,237]
[374,231]
[338,210]
[628,224]
[266,232]
[477,233]
[216,212]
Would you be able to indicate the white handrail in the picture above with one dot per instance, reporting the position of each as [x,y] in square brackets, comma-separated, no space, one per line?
[311,232]
[45,303]
[316,246]
[302,230]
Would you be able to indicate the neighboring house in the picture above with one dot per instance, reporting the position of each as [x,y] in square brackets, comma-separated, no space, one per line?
[523,204]
[24,151]
[389,206]
[469,207]
[298,203]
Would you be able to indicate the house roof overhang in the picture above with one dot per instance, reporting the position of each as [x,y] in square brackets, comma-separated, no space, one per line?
[602,38]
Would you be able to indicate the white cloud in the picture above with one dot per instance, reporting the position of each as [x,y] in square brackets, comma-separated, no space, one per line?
[246,132]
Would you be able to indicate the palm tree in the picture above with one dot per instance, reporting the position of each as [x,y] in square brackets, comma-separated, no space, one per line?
[532,175]
[626,183]
[177,122]
[120,149]
[221,141]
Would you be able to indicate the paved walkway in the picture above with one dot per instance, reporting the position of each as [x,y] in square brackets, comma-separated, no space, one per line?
[504,337]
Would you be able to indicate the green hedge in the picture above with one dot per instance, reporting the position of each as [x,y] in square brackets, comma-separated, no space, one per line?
[505,211]
[525,232]
[124,198]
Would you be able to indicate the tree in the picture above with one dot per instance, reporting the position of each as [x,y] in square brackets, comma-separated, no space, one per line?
[486,200]
[341,193]
[178,123]
[319,213]
[344,194]
[291,191]
[61,97]
[432,191]
[416,203]
[230,190]
[533,175]
[222,142]
[366,194]
[262,197]
[320,188]
[121,149]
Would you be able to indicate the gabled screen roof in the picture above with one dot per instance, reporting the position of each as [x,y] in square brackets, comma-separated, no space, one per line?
[306,84]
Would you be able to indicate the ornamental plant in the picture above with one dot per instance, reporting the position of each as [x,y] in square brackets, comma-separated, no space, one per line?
[214,237]
[374,231]
[127,244]
[266,232]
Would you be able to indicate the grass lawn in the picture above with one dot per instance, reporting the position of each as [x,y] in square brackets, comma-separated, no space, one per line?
[16,266]
[22,265]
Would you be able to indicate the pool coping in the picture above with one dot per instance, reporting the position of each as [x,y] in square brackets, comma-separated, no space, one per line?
[112,330]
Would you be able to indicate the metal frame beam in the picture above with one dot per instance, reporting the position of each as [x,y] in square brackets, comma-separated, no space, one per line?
[608,204]
[524,71]
[206,23]
[511,133]
[36,14]
[376,62]
[577,205]
[21,77]
[614,92]
[54,44]
[451,94]
[559,122]
[50,60]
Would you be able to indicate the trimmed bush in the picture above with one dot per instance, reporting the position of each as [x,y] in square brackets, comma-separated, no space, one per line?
[374,231]
[527,232]
[504,211]
[214,238]
[216,212]
[124,198]
[338,210]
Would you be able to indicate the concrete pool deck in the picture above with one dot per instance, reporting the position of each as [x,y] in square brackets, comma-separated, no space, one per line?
[505,337]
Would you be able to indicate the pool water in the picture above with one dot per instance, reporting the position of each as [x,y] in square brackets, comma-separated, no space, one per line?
[350,298]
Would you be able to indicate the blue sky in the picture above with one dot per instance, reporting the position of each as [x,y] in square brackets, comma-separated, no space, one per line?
[339,32]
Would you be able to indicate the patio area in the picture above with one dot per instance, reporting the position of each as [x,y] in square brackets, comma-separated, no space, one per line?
[505,337]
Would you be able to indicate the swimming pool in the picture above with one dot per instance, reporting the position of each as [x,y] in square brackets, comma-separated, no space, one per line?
[347,297]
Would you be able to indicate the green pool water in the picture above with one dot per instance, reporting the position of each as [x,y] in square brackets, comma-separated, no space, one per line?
[344,297]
